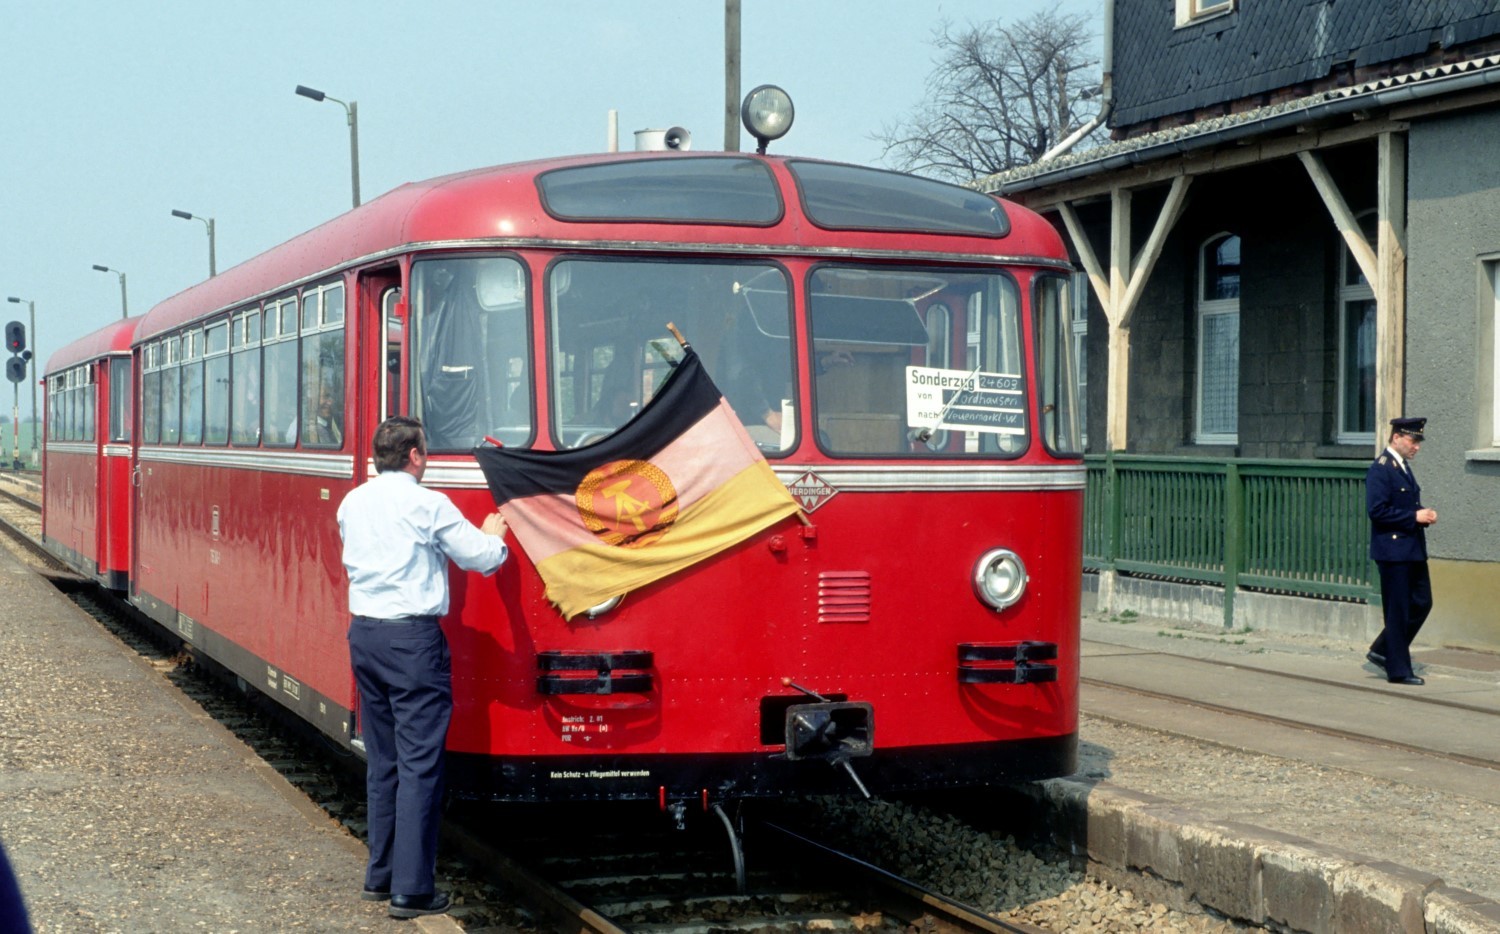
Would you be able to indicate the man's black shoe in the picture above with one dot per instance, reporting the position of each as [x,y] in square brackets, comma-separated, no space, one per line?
[1375,658]
[1409,679]
[375,895]
[414,906]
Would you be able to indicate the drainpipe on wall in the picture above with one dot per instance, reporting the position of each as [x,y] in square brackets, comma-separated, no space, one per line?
[1107,83]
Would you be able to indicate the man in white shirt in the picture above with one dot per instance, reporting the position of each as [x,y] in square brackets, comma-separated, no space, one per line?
[398,538]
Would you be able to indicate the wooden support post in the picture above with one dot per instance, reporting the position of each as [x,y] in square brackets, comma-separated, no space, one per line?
[1171,210]
[1119,294]
[1086,256]
[1390,287]
[1119,335]
[1343,218]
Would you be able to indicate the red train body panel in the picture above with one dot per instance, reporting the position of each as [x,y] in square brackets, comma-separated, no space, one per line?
[495,302]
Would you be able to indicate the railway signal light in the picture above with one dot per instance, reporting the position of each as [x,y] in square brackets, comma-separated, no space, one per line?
[15,370]
[15,337]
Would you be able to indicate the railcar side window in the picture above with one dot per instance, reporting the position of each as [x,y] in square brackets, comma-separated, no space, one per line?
[245,357]
[71,398]
[90,399]
[171,391]
[470,351]
[119,399]
[216,383]
[1057,380]
[279,326]
[611,349]
[884,345]
[192,387]
[50,401]
[390,376]
[73,406]
[151,393]
[323,366]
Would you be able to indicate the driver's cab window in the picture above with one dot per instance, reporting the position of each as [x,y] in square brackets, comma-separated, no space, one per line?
[469,353]
[916,362]
[390,373]
[611,349]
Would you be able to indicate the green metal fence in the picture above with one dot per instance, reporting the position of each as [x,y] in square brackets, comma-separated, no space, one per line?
[1293,527]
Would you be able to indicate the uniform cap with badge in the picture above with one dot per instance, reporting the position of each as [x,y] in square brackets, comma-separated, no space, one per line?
[1411,427]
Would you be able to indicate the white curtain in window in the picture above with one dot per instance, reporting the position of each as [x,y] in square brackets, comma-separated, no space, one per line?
[1220,380]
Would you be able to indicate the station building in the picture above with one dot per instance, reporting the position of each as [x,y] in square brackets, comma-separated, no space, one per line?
[1291,237]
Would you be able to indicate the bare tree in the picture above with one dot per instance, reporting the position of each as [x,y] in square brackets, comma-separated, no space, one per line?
[999,97]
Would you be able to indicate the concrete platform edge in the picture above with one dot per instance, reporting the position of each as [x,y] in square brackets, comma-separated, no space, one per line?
[1246,872]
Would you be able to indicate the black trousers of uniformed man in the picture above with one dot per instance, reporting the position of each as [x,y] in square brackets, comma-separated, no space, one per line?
[1406,592]
[405,684]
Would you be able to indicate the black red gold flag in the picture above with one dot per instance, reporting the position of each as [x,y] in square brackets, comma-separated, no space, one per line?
[676,484]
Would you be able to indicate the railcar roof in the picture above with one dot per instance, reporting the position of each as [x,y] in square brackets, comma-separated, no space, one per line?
[109,340]
[501,206]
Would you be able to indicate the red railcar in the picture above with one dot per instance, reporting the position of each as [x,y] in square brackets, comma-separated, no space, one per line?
[897,347]
[86,499]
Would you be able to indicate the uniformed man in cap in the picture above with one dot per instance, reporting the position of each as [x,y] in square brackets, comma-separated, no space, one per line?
[1398,545]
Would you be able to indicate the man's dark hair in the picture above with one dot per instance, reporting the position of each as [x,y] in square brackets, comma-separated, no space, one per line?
[395,439]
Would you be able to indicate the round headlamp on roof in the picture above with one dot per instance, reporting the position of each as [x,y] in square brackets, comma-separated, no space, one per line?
[767,113]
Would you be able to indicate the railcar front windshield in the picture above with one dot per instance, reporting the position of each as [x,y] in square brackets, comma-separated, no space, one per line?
[611,351]
[917,362]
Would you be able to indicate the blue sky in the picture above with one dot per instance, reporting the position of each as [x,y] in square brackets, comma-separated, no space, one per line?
[114,114]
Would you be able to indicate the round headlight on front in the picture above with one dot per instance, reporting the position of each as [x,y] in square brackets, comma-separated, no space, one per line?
[767,113]
[999,578]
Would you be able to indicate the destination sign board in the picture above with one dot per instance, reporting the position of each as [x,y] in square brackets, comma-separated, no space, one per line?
[965,400]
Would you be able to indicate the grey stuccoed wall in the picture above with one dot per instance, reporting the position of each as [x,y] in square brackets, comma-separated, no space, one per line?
[1453,220]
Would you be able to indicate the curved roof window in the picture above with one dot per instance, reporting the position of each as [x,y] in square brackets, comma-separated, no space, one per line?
[670,190]
[851,197]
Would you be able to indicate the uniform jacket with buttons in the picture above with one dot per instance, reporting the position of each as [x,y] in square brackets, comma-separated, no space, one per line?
[1392,498]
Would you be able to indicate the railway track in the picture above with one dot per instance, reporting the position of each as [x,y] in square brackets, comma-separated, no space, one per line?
[642,876]
[21,523]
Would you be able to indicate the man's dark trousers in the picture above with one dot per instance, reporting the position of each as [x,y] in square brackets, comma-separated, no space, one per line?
[405,681]
[1406,595]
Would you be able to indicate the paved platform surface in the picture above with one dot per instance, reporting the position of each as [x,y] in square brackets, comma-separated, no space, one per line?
[124,808]
[1344,736]
[1312,700]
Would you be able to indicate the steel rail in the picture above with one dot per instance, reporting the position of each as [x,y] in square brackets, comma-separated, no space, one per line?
[20,500]
[922,908]
[545,900]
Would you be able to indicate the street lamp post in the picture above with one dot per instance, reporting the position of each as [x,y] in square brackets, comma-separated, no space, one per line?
[351,110]
[124,305]
[209,221]
[35,425]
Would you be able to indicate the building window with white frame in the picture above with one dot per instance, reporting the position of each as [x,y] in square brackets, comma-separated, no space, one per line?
[1493,270]
[1190,12]
[1357,345]
[1218,389]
